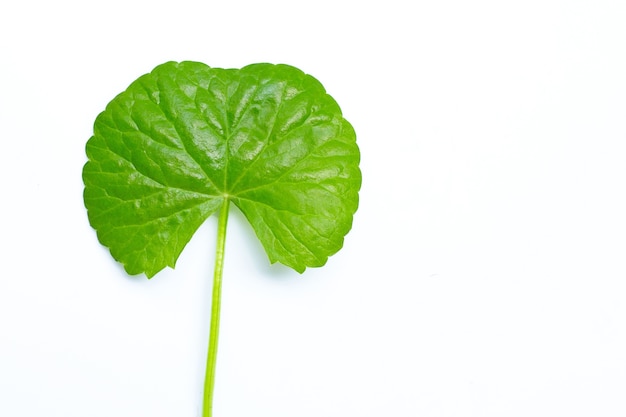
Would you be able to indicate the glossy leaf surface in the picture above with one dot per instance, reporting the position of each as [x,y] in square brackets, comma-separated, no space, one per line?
[169,150]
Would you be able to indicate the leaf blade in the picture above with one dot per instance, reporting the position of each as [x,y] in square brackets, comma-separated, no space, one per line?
[167,152]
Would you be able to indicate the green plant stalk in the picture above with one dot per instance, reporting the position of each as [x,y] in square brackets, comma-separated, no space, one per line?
[209,379]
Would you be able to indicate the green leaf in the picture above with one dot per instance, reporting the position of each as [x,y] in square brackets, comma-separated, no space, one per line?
[167,152]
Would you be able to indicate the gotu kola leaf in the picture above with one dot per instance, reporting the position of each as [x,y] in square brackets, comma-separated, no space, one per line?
[184,139]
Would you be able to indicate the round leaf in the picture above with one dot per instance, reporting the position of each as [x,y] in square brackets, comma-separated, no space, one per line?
[180,140]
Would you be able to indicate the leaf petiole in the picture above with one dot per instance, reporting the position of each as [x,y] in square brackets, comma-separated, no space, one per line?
[209,379]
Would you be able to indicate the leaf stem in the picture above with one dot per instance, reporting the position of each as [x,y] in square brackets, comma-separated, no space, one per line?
[209,379]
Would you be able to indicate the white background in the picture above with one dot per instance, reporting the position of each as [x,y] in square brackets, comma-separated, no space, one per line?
[485,274]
